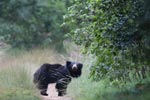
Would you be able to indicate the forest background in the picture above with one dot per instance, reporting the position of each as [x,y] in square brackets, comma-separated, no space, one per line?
[116,33]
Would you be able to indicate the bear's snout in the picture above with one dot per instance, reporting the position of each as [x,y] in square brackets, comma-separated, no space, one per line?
[74,67]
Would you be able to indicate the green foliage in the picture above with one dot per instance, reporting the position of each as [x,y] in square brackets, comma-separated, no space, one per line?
[117,34]
[27,24]
[86,89]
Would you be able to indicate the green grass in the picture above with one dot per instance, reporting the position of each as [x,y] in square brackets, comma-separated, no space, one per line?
[15,84]
[15,76]
[17,94]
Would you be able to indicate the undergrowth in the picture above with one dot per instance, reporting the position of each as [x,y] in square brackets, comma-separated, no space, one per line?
[86,89]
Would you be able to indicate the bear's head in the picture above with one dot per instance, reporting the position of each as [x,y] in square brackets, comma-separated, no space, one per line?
[74,68]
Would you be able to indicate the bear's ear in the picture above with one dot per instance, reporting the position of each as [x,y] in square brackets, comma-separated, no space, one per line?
[80,65]
[68,63]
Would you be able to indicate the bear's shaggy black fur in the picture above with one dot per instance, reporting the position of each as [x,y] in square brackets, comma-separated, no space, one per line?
[56,73]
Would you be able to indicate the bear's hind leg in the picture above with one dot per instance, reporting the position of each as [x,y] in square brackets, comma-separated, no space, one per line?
[43,89]
[44,92]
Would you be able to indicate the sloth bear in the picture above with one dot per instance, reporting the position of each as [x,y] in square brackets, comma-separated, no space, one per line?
[56,73]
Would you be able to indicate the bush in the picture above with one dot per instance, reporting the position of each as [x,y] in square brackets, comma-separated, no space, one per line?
[116,33]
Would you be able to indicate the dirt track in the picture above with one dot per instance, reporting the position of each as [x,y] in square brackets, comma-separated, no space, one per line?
[53,94]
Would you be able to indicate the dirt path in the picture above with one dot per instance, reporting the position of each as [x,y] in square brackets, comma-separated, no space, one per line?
[53,94]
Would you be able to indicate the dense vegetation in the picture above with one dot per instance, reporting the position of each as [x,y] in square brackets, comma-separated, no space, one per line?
[116,33]
[29,23]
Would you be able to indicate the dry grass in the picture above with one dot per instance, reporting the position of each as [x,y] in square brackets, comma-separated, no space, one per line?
[17,68]
[16,72]
[30,59]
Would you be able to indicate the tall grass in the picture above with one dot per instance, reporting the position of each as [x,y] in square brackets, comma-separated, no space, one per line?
[15,84]
[16,72]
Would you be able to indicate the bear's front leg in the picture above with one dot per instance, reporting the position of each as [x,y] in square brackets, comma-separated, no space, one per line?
[61,86]
[62,92]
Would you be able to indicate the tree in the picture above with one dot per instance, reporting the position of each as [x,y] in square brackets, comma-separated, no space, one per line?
[25,23]
[115,32]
